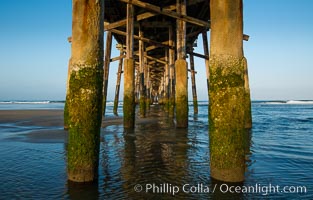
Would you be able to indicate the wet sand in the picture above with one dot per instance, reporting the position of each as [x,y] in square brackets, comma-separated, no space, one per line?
[32,117]
[46,126]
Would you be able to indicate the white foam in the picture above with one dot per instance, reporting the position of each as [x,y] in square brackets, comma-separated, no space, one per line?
[290,102]
[24,102]
[299,102]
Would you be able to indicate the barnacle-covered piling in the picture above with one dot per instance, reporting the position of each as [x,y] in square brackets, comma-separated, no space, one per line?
[84,95]
[227,93]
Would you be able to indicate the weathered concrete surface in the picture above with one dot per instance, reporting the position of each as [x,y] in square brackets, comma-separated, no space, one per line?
[181,98]
[129,96]
[227,92]
[84,96]
[248,114]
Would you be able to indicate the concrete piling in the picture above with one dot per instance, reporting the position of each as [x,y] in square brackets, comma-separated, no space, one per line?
[181,96]
[129,72]
[227,91]
[85,91]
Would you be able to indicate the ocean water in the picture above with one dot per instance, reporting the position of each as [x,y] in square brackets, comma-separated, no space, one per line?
[156,159]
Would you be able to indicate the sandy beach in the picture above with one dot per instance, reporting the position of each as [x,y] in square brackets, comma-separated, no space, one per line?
[32,117]
[46,126]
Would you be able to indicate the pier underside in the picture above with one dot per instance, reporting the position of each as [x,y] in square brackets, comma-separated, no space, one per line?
[155,38]
[156,34]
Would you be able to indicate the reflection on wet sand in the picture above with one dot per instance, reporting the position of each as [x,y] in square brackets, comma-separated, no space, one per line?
[155,161]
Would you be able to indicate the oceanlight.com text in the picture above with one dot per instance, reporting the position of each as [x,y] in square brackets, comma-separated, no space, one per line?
[200,188]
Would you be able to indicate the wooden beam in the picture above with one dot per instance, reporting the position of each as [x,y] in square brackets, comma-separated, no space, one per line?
[106,69]
[146,40]
[118,58]
[206,53]
[168,13]
[156,59]
[130,31]
[151,14]
[193,83]
[118,83]
[108,26]
[151,63]
[156,24]
[206,57]
[152,47]
[156,74]
[156,67]
[245,37]
[170,8]
[195,33]
[149,48]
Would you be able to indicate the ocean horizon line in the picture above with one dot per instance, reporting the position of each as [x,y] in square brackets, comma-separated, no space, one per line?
[302,101]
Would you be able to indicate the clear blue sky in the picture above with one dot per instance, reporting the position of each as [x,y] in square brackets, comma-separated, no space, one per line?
[34,51]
